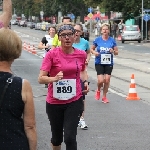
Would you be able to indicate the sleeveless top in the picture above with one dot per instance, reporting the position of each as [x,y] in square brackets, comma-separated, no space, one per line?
[1,24]
[12,134]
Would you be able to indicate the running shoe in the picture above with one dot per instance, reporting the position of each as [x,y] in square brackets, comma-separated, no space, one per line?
[82,124]
[97,95]
[105,100]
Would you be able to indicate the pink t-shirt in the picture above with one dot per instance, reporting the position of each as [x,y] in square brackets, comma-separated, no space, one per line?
[1,24]
[71,65]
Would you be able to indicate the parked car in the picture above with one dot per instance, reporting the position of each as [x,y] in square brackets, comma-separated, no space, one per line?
[38,26]
[85,34]
[43,26]
[47,26]
[22,23]
[13,22]
[32,25]
[131,33]
[29,24]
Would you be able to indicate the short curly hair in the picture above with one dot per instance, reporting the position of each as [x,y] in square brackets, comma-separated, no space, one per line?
[10,45]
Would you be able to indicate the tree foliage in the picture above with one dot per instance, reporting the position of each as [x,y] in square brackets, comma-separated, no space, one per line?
[51,7]
[129,8]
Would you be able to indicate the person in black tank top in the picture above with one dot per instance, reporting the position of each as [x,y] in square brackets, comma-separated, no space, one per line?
[17,116]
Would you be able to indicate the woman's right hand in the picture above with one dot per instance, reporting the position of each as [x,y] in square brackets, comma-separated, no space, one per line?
[59,76]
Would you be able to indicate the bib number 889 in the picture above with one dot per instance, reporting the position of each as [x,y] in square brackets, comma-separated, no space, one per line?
[64,89]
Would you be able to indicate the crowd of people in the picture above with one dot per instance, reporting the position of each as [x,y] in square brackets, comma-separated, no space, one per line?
[64,71]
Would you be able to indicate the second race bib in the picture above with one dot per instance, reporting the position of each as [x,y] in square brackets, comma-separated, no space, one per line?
[105,58]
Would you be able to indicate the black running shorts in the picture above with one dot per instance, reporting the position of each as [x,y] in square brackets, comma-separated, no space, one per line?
[103,69]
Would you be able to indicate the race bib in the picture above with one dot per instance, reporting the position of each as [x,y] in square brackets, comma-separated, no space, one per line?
[64,89]
[105,58]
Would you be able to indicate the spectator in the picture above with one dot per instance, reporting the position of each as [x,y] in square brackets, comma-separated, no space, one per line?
[17,116]
[120,27]
[114,29]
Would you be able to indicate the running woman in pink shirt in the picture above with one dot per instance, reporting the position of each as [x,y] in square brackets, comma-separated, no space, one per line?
[64,101]
[5,17]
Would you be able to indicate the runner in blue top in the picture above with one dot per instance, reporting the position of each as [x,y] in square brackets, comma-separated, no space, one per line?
[82,44]
[106,48]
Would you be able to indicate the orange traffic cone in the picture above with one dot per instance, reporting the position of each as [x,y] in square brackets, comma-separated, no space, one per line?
[33,50]
[132,90]
[24,45]
[28,48]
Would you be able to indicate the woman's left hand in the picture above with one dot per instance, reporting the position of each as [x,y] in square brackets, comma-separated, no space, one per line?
[86,88]
[86,62]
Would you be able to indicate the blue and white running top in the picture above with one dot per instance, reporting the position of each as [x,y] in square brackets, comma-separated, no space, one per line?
[103,47]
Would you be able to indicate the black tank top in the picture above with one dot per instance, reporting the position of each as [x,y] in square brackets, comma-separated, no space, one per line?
[12,134]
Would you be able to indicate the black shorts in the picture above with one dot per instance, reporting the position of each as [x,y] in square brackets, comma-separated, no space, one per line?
[103,69]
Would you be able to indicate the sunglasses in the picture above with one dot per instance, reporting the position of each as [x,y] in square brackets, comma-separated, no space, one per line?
[63,35]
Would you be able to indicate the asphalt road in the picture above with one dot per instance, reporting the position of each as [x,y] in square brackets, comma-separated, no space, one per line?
[119,125]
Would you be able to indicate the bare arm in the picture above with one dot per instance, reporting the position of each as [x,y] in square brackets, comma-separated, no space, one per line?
[88,55]
[83,75]
[29,115]
[44,79]
[93,50]
[7,13]
[115,50]
[42,46]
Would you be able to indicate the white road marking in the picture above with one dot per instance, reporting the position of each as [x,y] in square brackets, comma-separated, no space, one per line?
[115,92]
[131,43]
[120,46]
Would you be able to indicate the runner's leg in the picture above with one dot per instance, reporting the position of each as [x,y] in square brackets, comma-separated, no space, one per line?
[71,120]
[100,80]
[56,117]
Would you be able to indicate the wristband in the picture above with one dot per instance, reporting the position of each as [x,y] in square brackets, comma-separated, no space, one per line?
[85,81]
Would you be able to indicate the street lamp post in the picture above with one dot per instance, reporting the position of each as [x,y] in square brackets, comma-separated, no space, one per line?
[142,21]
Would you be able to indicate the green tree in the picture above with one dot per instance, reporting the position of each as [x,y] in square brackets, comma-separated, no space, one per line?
[129,8]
